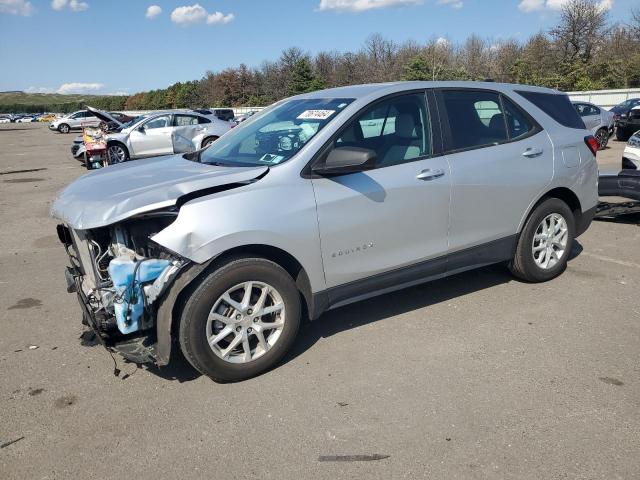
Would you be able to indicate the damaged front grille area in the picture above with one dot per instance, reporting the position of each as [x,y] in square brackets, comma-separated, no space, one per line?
[118,274]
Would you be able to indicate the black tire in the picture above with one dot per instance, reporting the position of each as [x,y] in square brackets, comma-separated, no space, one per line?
[112,154]
[523,264]
[602,137]
[622,134]
[64,128]
[193,319]
[208,141]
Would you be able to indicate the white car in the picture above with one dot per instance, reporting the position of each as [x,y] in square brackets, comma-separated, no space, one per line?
[598,120]
[74,121]
[5,120]
[162,133]
[631,155]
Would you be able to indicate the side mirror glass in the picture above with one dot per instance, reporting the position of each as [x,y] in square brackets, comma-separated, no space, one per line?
[343,160]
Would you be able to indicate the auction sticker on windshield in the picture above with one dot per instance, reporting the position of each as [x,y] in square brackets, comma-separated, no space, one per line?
[316,114]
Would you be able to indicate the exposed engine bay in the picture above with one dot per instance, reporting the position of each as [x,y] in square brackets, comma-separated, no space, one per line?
[118,274]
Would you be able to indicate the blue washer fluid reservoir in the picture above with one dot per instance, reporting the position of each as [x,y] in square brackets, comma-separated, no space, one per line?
[130,306]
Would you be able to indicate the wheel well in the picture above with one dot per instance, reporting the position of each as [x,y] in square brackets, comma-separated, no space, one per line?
[567,196]
[276,255]
[117,142]
[205,139]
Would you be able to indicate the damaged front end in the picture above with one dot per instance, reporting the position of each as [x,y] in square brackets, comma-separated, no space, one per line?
[119,276]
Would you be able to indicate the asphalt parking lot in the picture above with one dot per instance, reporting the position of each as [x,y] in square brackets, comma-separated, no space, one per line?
[475,376]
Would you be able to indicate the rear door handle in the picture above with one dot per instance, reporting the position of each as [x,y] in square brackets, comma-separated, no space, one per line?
[429,174]
[532,152]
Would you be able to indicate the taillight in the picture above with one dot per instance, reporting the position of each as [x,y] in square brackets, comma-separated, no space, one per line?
[592,143]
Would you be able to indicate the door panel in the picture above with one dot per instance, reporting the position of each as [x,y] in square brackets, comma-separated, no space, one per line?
[492,188]
[395,215]
[155,139]
[495,176]
[376,221]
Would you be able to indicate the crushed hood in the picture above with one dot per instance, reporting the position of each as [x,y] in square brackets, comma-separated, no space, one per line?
[114,193]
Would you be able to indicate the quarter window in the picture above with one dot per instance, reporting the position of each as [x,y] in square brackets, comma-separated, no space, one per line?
[397,129]
[475,118]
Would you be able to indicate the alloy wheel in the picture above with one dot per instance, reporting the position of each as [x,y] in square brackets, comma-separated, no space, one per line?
[550,241]
[602,137]
[245,322]
[117,154]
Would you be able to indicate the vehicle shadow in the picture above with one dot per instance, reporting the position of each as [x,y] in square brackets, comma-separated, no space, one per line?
[369,311]
[628,219]
[397,303]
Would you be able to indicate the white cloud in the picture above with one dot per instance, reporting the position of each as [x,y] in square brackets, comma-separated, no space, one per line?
[217,17]
[457,4]
[78,6]
[362,5]
[153,11]
[16,7]
[74,5]
[442,42]
[193,14]
[529,6]
[78,87]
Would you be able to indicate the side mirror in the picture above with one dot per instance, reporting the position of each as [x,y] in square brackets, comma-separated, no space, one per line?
[343,160]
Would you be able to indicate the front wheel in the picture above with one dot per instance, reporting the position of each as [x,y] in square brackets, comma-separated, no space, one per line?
[545,242]
[240,320]
[117,153]
[208,141]
[63,128]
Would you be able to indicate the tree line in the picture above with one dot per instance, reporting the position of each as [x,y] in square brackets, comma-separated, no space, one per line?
[584,51]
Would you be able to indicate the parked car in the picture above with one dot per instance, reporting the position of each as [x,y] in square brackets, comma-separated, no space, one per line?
[74,121]
[77,148]
[598,120]
[298,211]
[5,120]
[24,119]
[164,134]
[621,113]
[244,117]
[631,154]
[225,114]
[629,123]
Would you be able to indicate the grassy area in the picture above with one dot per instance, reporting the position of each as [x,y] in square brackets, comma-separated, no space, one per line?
[21,98]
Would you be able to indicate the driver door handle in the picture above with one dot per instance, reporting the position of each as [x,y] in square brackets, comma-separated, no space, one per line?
[429,174]
[532,152]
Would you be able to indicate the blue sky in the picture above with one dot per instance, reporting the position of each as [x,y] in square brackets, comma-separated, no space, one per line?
[107,46]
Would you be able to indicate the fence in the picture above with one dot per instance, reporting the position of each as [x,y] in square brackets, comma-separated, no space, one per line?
[605,98]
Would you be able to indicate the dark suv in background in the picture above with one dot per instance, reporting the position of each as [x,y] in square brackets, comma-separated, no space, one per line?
[627,121]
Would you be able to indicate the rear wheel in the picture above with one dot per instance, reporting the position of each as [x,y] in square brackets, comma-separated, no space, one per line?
[240,320]
[602,137]
[63,128]
[545,242]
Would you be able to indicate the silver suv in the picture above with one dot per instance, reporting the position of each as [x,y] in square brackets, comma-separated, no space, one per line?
[74,121]
[321,200]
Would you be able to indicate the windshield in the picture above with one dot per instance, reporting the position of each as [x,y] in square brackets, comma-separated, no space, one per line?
[275,136]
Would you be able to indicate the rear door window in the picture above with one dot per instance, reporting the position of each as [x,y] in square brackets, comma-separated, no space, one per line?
[518,123]
[475,118]
[184,120]
[557,106]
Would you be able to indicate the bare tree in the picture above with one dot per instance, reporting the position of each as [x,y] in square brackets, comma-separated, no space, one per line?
[581,29]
